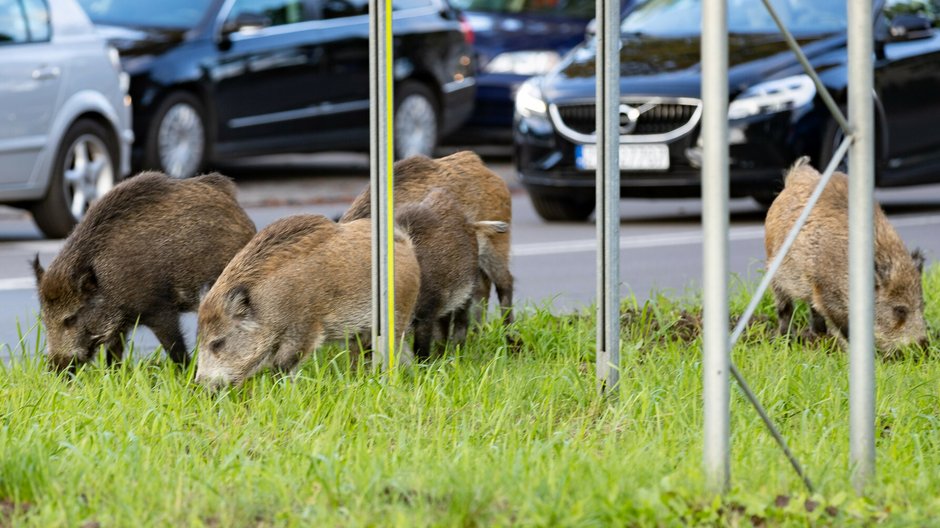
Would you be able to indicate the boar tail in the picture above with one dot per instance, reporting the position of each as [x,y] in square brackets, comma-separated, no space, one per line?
[490,227]
[800,170]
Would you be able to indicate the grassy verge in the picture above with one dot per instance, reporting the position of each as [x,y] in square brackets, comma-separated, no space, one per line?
[482,437]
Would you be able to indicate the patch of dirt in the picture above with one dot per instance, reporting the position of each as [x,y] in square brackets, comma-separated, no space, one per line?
[9,508]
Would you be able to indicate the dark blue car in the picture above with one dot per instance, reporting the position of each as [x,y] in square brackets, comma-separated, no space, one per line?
[514,40]
[775,114]
[217,79]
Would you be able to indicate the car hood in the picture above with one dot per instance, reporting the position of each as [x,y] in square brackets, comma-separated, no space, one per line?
[672,66]
[496,33]
[139,41]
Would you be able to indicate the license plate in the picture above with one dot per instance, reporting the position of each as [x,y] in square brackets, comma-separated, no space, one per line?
[653,157]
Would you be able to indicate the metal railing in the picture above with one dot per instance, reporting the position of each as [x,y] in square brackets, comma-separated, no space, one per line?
[717,343]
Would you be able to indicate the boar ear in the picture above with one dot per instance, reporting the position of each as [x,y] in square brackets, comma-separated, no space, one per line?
[88,281]
[918,257]
[204,291]
[882,272]
[37,269]
[238,303]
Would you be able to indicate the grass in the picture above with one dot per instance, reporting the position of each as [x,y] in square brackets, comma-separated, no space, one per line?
[482,437]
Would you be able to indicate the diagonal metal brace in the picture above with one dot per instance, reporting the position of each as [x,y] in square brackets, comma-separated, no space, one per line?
[810,71]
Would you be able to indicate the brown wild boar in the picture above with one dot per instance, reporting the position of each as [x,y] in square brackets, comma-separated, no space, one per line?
[299,282]
[445,243]
[816,268]
[482,194]
[142,253]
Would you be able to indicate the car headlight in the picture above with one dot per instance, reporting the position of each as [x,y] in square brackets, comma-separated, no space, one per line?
[526,63]
[529,101]
[773,96]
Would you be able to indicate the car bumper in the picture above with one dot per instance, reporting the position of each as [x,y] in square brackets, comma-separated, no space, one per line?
[760,150]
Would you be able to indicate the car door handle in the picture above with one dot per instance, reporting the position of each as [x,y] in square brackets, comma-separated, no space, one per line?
[44,73]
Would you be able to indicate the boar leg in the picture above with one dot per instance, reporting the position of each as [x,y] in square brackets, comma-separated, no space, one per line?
[114,350]
[817,322]
[784,307]
[498,272]
[461,320]
[424,338]
[166,327]
[481,297]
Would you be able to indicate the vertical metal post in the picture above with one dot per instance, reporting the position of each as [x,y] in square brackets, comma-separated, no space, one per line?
[716,360]
[608,195]
[380,163]
[861,246]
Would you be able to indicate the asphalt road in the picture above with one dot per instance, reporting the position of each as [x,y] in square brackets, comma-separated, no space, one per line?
[661,241]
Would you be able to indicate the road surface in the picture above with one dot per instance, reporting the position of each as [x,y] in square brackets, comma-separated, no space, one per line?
[661,241]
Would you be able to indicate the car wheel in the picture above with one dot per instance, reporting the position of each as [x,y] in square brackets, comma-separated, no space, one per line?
[176,139]
[557,209]
[416,121]
[84,169]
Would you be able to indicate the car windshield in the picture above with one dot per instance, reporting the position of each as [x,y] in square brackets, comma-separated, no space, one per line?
[573,8]
[182,14]
[679,18]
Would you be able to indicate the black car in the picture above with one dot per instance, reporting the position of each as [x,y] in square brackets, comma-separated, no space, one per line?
[216,79]
[774,112]
[515,40]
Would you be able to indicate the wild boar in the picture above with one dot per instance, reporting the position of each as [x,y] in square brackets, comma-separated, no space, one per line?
[816,268]
[299,282]
[142,253]
[445,244]
[482,194]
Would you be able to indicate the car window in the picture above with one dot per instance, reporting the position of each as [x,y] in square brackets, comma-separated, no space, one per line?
[37,19]
[276,12]
[410,4]
[13,29]
[574,8]
[683,18]
[343,8]
[347,8]
[929,10]
[182,14]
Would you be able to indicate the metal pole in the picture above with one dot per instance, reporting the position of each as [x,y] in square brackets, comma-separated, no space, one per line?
[380,172]
[608,196]
[716,360]
[861,246]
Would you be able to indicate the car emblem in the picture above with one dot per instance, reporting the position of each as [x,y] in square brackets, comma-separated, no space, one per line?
[628,118]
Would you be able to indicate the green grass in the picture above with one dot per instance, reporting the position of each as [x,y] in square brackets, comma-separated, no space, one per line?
[483,437]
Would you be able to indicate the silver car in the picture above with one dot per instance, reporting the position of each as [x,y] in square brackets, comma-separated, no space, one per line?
[65,120]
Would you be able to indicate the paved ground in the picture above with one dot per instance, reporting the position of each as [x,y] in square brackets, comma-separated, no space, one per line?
[553,263]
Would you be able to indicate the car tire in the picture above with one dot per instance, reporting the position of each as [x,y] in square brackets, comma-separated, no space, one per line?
[553,208]
[177,142]
[417,120]
[85,167]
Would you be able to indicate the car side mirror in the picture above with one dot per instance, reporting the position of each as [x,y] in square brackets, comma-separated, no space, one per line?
[245,22]
[906,26]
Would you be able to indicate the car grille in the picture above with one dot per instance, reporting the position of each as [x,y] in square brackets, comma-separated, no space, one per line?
[664,121]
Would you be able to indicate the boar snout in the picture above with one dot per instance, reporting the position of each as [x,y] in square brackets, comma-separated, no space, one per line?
[63,362]
[213,382]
